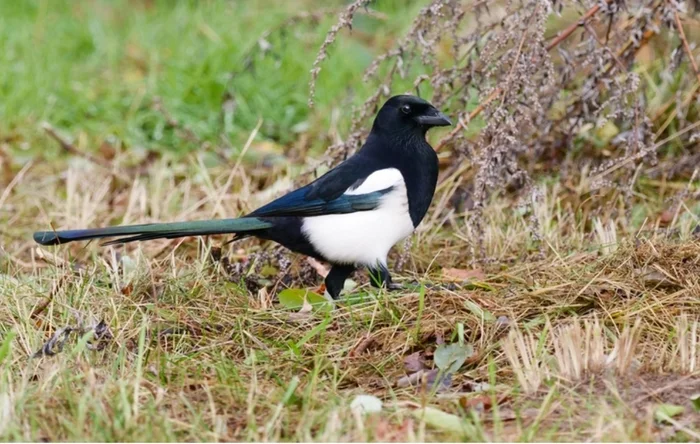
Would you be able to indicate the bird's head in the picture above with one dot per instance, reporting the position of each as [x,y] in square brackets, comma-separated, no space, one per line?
[409,114]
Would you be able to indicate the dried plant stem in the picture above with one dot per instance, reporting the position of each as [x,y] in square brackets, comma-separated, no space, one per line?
[519,52]
[70,148]
[615,57]
[669,104]
[498,91]
[463,123]
[641,154]
[674,113]
[345,20]
[686,46]
[572,27]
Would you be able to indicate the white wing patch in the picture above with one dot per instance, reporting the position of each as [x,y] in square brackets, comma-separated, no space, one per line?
[379,180]
[364,237]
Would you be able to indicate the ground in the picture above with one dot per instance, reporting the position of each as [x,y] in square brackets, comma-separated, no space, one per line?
[120,112]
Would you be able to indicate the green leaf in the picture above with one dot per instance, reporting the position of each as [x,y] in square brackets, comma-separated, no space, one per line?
[664,412]
[477,285]
[290,390]
[479,312]
[695,400]
[268,271]
[444,421]
[293,348]
[450,358]
[6,345]
[293,298]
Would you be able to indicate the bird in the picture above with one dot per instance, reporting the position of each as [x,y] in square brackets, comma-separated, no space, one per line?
[350,217]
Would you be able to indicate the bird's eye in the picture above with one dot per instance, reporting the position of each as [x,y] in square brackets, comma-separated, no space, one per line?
[406,109]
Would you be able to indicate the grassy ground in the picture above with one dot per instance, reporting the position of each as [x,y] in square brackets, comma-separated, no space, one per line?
[98,67]
[590,333]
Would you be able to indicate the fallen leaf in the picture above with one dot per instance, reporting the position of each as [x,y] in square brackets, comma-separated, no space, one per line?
[127,289]
[321,269]
[295,298]
[480,403]
[304,312]
[451,357]
[695,400]
[664,412]
[414,362]
[429,379]
[366,404]
[460,274]
[362,346]
[439,338]
[444,421]
[503,322]
[107,150]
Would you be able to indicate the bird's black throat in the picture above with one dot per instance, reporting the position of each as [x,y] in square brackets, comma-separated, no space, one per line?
[412,155]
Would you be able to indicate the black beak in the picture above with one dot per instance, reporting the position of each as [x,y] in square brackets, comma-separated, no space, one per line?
[435,119]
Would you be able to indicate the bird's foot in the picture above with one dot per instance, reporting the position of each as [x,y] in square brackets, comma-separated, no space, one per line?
[392,286]
[329,298]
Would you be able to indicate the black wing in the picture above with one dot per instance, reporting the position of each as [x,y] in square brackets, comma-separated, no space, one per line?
[326,194]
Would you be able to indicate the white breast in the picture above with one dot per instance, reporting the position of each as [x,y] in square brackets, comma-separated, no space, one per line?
[364,237]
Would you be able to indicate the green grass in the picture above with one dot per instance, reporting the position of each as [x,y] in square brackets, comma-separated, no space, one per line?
[95,67]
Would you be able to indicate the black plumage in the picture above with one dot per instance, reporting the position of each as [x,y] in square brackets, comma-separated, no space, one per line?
[349,217]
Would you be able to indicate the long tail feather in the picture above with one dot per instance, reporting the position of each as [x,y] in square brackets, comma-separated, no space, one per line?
[154,231]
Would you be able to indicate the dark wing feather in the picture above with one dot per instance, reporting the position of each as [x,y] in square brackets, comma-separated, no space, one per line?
[326,195]
[348,175]
[297,204]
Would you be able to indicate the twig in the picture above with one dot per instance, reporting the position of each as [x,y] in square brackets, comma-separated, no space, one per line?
[686,46]
[70,148]
[362,346]
[604,45]
[13,183]
[572,27]
[519,51]
[463,123]
[186,132]
[643,41]
[344,21]
[643,153]
[498,91]
[39,309]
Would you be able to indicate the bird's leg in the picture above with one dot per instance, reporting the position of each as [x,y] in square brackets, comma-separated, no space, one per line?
[379,276]
[336,279]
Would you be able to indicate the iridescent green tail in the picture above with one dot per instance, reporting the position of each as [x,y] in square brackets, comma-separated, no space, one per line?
[144,232]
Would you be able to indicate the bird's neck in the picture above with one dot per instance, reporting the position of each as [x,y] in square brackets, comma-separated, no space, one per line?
[411,154]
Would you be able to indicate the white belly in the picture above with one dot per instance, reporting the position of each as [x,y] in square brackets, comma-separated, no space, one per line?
[364,237]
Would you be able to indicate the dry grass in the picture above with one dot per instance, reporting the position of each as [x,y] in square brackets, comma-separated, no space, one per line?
[595,332]
[563,243]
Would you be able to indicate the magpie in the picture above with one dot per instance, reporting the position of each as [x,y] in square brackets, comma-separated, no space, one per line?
[350,217]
